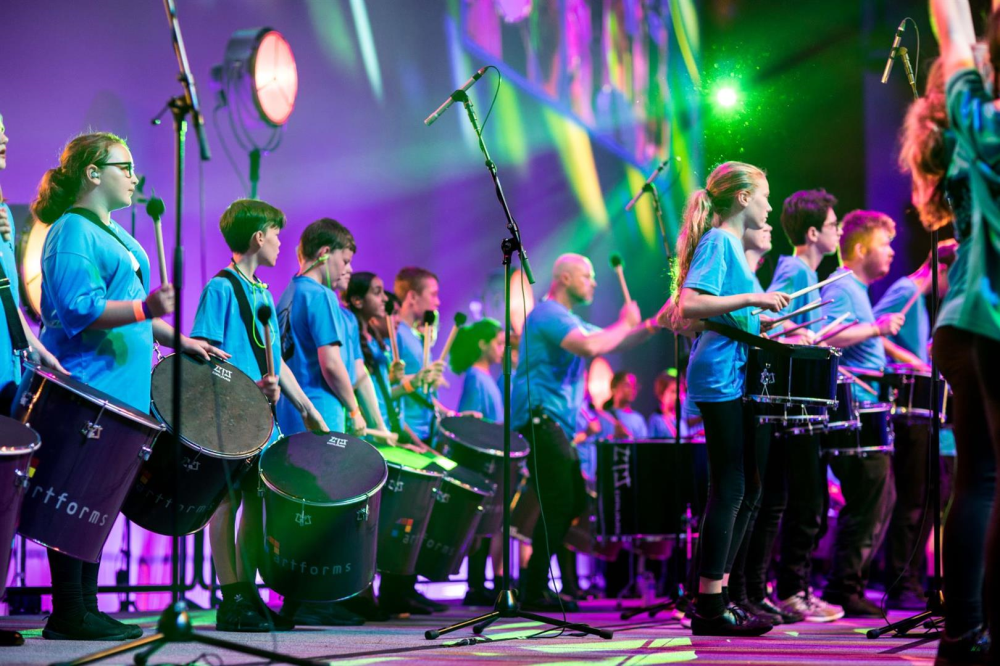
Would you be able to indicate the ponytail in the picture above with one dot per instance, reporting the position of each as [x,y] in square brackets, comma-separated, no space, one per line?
[61,187]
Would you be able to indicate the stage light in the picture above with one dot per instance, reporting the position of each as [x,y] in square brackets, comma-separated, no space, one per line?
[727,96]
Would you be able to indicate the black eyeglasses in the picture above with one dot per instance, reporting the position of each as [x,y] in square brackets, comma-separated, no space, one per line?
[127,167]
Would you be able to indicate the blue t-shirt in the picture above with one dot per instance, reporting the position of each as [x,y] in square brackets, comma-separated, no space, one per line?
[411,352]
[916,330]
[555,375]
[481,394]
[83,268]
[382,357]
[660,427]
[790,276]
[631,420]
[719,267]
[10,363]
[309,318]
[218,321]
[851,295]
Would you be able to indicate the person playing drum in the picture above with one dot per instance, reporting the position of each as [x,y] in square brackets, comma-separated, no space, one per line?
[250,229]
[618,419]
[100,320]
[868,494]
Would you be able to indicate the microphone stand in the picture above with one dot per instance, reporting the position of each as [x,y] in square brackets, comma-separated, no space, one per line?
[934,594]
[506,604]
[174,625]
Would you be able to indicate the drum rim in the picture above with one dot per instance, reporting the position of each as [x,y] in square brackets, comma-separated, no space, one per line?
[467,486]
[875,407]
[796,418]
[194,445]
[353,500]
[407,468]
[47,375]
[833,351]
[7,450]
[496,453]
[859,451]
[789,400]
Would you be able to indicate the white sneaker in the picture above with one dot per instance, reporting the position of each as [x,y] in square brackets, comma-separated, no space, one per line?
[811,607]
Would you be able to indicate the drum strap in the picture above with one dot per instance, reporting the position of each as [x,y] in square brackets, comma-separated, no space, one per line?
[740,335]
[17,337]
[246,314]
[92,217]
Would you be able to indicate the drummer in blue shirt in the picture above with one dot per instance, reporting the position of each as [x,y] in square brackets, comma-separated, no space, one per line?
[100,321]
[866,249]
[250,229]
[618,419]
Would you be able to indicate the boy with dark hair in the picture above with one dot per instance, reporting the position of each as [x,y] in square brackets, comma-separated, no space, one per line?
[417,289]
[251,230]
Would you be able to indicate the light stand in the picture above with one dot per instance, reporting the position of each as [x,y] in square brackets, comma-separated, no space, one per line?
[935,597]
[506,603]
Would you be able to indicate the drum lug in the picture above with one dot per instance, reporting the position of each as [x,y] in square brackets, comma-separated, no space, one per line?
[145,452]
[91,430]
[363,514]
[27,398]
[20,479]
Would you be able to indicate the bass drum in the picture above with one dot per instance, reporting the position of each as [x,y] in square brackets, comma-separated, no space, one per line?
[18,444]
[227,421]
[322,493]
[94,446]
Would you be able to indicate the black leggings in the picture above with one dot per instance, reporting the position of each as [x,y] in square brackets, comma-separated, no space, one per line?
[74,585]
[972,529]
[734,442]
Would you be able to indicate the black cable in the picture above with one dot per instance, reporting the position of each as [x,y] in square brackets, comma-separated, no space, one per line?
[229,156]
[496,92]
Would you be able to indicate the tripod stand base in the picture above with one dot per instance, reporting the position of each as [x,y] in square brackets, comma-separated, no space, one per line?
[506,607]
[175,627]
[935,609]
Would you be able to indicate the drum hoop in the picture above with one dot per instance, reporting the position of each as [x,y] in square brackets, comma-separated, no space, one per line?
[789,400]
[860,451]
[209,452]
[467,486]
[793,418]
[837,426]
[47,376]
[407,468]
[352,500]
[27,448]
[874,407]
[496,453]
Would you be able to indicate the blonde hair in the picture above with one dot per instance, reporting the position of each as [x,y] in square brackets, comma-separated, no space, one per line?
[706,208]
[924,151]
[859,226]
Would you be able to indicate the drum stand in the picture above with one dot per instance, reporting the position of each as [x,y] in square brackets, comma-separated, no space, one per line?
[506,603]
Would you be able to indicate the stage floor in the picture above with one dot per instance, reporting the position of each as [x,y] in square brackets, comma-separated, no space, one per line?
[640,641]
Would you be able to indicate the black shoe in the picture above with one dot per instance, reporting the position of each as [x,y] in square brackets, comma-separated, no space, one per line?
[908,600]
[548,602]
[324,614]
[730,623]
[365,605]
[972,647]
[240,614]
[131,630]
[479,597]
[402,606]
[278,621]
[90,627]
[754,610]
[767,606]
[434,606]
[856,606]
[10,638]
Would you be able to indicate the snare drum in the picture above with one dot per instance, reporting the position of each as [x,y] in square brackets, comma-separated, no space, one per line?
[322,493]
[842,416]
[94,446]
[478,445]
[875,434]
[407,500]
[227,421]
[792,388]
[18,444]
[457,512]
[910,392]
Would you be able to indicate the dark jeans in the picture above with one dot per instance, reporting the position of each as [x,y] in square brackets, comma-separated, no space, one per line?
[972,528]
[869,495]
[793,500]
[731,437]
[555,471]
[911,524]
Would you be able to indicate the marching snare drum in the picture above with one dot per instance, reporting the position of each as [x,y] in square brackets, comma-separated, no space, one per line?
[94,446]
[789,387]
[875,434]
[18,444]
[910,389]
[227,421]
[842,416]
[322,493]
[457,511]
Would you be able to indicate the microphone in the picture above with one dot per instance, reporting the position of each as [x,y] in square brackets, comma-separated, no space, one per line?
[264,316]
[894,51]
[155,209]
[649,181]
[451,100]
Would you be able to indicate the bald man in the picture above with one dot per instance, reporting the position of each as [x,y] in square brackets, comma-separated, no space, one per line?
[554,350]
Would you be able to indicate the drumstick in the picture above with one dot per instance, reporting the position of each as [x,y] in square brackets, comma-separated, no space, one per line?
[909,303]
[818,285]
[834,334]
[428,324]
[832,325]
[804,309]
[391,325]
[155,208]
[264,315]
[618,264]
[460,320]
[789,331]
[855,379]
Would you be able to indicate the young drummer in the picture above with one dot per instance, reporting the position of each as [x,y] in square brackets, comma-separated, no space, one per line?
[251,230]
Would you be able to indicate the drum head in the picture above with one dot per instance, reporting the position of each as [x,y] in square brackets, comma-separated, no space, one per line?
[225,413]
[470,480]
[92,394]
[482,436]
[325,469]
[424,463]
[17,438]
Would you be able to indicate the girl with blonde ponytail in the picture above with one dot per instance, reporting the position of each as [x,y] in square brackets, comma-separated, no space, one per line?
[713,281]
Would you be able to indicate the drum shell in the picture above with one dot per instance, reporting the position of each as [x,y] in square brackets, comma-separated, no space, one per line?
[806,375]
[14,464]
[319,553]
[875,434]
[910,393]
[80,482]
[524,510]
[407,502]
[452,527]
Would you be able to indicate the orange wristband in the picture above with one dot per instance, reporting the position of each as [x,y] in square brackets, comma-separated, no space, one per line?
[140,315]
